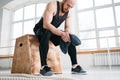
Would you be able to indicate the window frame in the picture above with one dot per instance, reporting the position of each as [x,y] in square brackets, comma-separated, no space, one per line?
[97,30]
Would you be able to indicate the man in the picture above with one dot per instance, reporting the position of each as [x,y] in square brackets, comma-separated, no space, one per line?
[47,29]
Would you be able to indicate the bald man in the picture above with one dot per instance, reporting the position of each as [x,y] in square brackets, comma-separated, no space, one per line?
[47,29]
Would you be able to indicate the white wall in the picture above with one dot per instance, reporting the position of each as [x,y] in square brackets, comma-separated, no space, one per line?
[1,13]
[5,31]
[5,63]
[6,25]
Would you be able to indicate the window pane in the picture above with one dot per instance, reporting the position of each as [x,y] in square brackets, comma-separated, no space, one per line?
[117,9]
[106,43]
[102,2]
[12,48]
[17,30]
[104,17]
[12,42]
[28,27]
[40,9]
[85,35]
[81,4]
[88,44]
[118,31]
[106,33]
[29,12]
[18,14]
[119,42]
[116,1]
[119,36]
[86,20]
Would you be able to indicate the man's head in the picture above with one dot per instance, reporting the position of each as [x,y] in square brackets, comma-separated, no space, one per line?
[67,5]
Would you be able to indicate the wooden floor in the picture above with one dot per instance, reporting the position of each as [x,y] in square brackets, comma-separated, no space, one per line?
[92,74]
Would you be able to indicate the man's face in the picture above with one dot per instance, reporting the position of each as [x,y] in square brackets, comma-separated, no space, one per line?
[67,5]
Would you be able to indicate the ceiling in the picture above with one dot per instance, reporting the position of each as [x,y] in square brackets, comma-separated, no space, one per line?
[4,2]
[11,4]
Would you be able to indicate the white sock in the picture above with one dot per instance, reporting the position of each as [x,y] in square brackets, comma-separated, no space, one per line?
[43,66]
[74,66]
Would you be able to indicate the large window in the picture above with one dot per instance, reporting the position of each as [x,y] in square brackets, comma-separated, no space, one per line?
[104,17]
[99,23]
[18,15]
[29,12]
[117,10]
[84,4]
[17,28]
[40,9]
[102,2]
[86,20]
[116,1]
[24,19]
[106,39]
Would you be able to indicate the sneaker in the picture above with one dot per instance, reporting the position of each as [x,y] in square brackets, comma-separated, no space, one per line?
[46,71]
[78,70]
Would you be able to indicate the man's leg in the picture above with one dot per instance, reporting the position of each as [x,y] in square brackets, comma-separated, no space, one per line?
[44,47]
[55,39]
[73,56]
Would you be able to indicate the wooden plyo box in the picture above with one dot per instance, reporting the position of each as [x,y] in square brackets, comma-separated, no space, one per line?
[27,58]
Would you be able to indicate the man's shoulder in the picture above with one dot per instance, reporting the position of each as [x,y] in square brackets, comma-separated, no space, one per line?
[52,4]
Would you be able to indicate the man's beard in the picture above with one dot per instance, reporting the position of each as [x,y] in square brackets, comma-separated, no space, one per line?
[62,9]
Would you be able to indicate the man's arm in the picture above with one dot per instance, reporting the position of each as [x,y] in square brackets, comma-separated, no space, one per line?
[67,27]
[67,24]
[48,16]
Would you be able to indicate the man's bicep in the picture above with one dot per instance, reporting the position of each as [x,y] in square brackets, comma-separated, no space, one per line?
[48,14]
[47,17]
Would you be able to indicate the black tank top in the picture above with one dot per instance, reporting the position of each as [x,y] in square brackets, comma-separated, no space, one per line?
[57,20]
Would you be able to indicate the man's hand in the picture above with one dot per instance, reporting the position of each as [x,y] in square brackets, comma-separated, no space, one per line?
[65,36]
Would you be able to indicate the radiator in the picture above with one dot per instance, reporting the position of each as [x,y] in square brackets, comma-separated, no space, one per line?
[105,59]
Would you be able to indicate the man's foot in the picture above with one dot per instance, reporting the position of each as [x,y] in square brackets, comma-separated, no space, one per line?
[78,70]
[45,71]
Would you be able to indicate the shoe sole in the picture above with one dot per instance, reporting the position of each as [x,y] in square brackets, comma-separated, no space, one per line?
[48,74]
[79,73]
